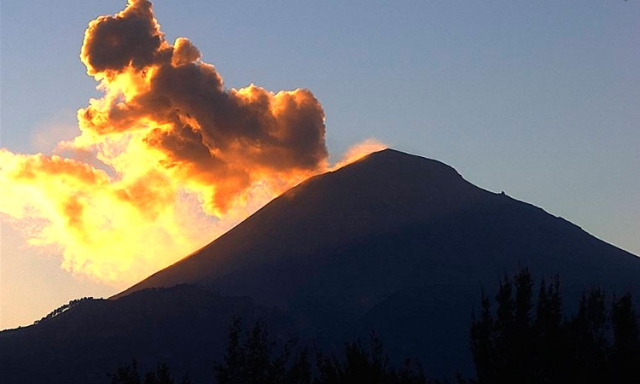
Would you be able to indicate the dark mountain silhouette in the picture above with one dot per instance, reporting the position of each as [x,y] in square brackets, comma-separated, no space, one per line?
[399,243]
[393,242]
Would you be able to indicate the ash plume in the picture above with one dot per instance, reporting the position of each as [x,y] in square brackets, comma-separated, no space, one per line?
[221,141]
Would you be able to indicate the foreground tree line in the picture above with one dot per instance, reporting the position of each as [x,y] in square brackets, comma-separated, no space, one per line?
[63,308]
[252,358]
[518,342]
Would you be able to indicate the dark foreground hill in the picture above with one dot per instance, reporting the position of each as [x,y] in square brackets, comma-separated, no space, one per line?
[183,326]
[394,242]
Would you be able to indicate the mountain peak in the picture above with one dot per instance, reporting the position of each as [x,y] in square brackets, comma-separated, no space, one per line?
[390,160]
[391,156]
[379,193]
[389,176]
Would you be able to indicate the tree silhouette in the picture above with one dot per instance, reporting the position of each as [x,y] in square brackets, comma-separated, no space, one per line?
[588,337]
[129,375]
[625,361]
[482,342]
[550,351]
[367,366]
[511,346]
[250,359]
[501,344]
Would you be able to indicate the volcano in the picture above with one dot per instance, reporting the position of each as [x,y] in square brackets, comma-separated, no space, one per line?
[395,243]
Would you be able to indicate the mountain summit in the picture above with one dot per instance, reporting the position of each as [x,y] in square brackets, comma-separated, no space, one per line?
[394,243]
[374,196]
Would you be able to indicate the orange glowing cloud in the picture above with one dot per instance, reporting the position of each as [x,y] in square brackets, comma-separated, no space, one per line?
[171,159]
[218,142]
[115,231]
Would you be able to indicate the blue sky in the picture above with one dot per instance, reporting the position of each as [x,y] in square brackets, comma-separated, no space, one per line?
[540,100]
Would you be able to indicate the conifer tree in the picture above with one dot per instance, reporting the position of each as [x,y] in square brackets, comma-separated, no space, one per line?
[588,343]
[625,360]
[511,346]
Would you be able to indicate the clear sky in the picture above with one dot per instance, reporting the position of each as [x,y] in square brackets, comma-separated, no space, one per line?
[540,99]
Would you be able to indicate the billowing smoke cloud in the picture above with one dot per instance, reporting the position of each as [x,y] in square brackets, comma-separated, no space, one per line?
[171,158]
[220,142]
